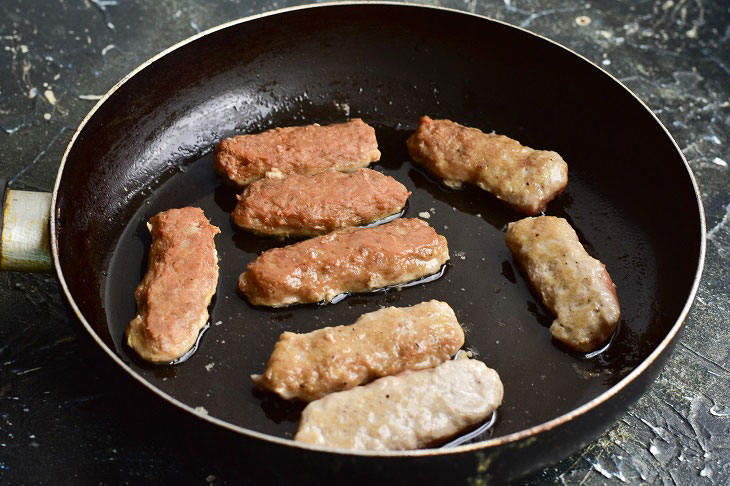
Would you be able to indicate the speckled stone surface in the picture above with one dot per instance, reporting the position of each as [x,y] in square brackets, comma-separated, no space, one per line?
[67,415]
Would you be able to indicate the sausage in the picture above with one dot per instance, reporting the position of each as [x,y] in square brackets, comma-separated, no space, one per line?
[296,150]
[173,297]
[411,410]
[300,205]
[348,260]
[381,343]
[573,285]
[524,178]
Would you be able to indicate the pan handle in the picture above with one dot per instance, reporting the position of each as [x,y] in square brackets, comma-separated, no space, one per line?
[25,230]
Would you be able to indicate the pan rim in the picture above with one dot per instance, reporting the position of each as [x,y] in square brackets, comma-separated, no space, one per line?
[491,443]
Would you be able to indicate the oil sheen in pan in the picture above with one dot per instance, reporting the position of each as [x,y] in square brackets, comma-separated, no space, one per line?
[501,317]
[192,350]
[483,432]
[158,366]
[387,219]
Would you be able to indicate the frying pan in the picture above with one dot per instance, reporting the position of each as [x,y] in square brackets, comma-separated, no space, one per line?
[146,147]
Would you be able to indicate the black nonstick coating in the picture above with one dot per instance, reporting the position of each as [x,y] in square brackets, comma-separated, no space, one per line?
[147,149]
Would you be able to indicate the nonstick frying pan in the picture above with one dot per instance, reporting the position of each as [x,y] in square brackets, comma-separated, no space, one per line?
[146,147]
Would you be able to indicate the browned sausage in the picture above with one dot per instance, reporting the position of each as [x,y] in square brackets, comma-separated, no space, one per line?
[408,411]
[381,343]
[173,297]
[524,178]
[301,205]
[296,150]
[348,260]
[573,285]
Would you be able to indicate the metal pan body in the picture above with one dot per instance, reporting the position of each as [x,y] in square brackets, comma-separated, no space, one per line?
[146,147]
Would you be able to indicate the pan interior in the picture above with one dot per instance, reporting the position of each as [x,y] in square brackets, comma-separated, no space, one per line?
[147,149]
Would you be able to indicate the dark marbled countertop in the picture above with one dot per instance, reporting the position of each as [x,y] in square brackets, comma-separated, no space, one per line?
[65,411]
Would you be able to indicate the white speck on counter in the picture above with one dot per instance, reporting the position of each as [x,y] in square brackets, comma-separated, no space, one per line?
[460,254]
[606,62]
[218,323]
[598,467]
[583,20]
[446,226]
[90,97]
[424,214]
[719,412]
[107,48]
[201,410]
[50,96]
[433,210]
[719,161]
[23,48]
[209,366]
[46,116]
[33,93]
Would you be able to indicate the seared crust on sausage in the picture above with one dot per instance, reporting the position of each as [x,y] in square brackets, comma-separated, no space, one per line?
[173,297]
[573,285]
[347,260]
[300,205]
[524,178]
[381,343]
[296,150]
[411,410]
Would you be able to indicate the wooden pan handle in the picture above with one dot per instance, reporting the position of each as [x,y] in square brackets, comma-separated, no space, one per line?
[24,230]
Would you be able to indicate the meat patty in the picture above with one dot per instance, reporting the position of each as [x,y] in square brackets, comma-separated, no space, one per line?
[296,150]
[409,411]
[524,178]
[572,284]
[316,204]
[381,343]
[347,260]
[173,297]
